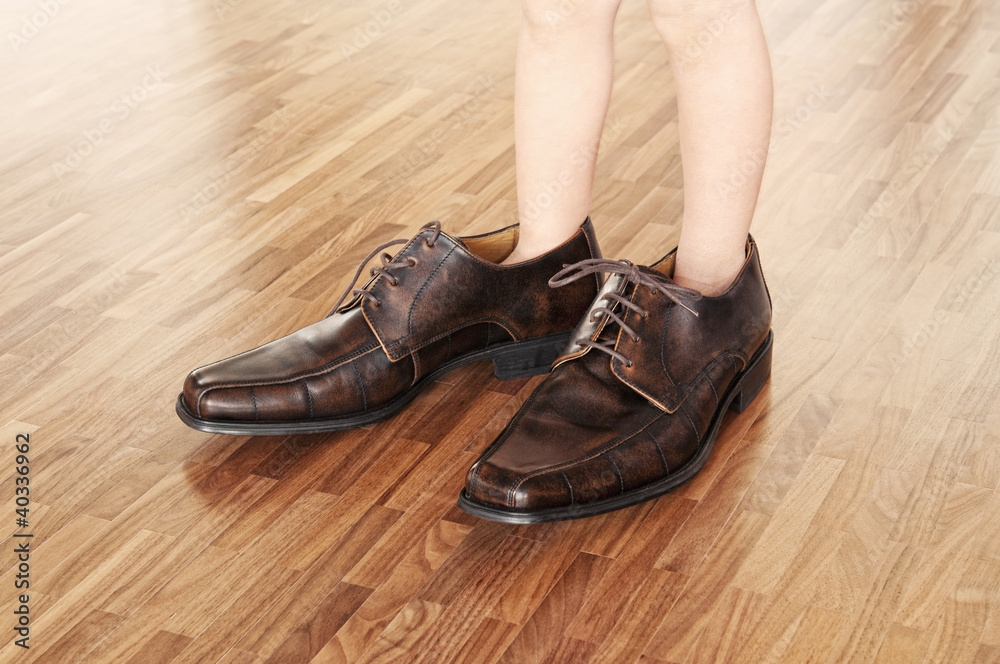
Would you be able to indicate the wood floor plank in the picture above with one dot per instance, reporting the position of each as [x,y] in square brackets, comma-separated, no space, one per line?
[184,183]
[374,616]
[534,643]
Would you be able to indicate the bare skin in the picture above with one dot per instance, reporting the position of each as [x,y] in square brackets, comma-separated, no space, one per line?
[564,72]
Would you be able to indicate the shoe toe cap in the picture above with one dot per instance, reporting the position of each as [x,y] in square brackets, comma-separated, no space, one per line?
[207,397]
[578,484]
[544,491]
[505,489]
[209,394]
[194,388]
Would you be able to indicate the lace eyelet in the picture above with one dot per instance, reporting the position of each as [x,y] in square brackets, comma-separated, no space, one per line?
[430,245]
[393,283]
[413,261]
[629,365]
[636,340]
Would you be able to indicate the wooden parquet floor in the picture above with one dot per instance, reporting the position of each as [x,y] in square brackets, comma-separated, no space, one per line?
[184,180]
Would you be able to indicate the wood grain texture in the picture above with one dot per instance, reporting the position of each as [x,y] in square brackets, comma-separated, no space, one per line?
[184,181]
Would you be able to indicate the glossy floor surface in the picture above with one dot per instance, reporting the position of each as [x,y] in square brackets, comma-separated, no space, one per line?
[180,181]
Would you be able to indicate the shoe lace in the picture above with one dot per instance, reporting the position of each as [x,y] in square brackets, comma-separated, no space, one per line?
[387,265]
[632,273]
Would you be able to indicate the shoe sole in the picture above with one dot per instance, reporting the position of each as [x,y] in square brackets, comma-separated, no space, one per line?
[742,392]
[513,359]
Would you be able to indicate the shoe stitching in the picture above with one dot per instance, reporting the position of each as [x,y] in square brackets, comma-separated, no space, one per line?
[569,485]
[691,422]
[430,277]
[398,253]
[400,342]
[663,357]
[361,384]
[656,444]
[678,398]
[416,367]
[325,369]
[621,440]
[694,458]
[253,400]
[692,384]
[712,385]
[618,472]
[309,399]
[448,356]
[377,272]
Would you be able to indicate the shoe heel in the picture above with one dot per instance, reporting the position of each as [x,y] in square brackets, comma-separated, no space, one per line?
[529,358]
[752,381]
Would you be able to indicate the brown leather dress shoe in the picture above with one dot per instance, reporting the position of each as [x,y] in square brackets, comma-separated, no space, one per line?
[633,406]
[439,303]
